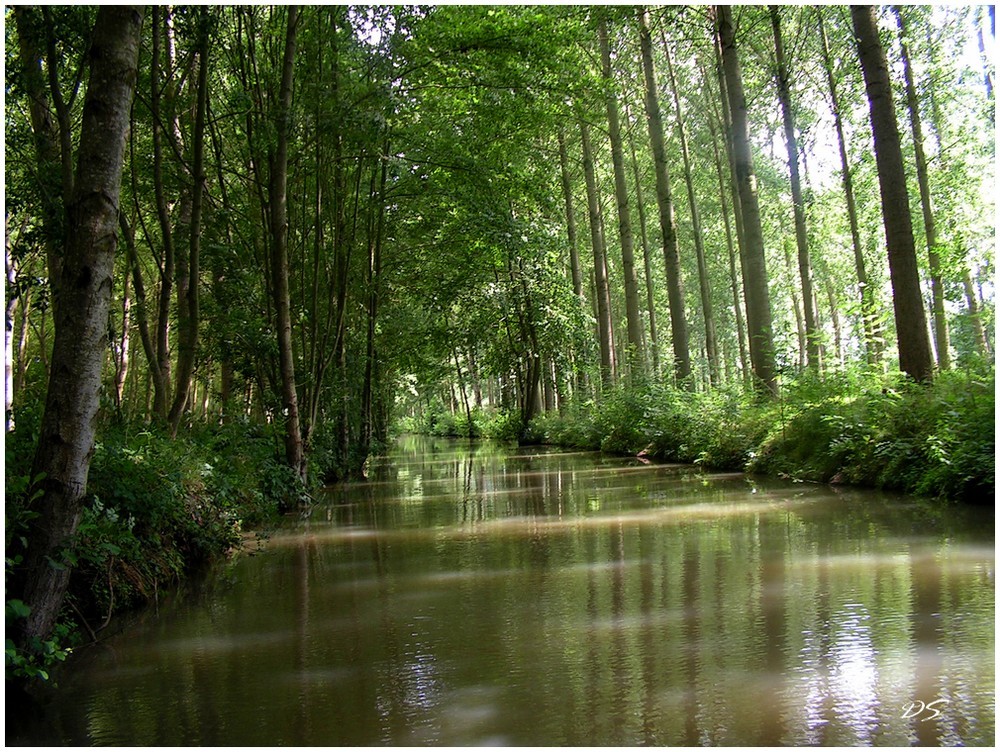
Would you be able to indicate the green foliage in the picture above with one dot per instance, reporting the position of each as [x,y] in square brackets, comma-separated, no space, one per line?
[486,423]
[38,658]
[935,439]
[859,428]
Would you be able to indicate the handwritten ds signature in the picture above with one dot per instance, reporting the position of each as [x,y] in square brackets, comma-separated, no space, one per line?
[923,711]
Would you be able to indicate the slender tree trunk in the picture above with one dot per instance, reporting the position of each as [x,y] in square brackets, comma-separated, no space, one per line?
[189,303]
[870,327]
[579,381]
[12,299]
[782,76]
[640,205]
[161,385]
[705,287]
[911,323]
[604,336]
[755,269]
[800,327]
[636,357]
[278,193]
[838,337]
[374,282]
[734,284]
[665,205]
[940,318]
[66,440]
[121,345]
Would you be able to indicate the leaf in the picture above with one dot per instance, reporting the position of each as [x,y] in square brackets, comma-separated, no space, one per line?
[18,608]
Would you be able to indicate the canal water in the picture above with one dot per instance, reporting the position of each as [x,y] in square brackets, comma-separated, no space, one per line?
[475,594]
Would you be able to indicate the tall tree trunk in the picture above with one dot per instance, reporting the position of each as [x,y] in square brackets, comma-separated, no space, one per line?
[604,337]
[66,440]
[640,205]
[781,78]
[911,323]
[161,385]
[665,205]
[940,317]
[758,300]
[374,283]
[705,287]
[188,313]
[730,243]
[579,381]
[278,194]
[870,327]
[636,357]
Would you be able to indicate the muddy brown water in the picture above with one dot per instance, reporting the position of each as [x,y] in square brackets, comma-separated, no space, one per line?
[476,594]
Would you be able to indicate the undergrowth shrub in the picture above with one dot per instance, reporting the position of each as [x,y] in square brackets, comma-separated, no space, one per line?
[156,510]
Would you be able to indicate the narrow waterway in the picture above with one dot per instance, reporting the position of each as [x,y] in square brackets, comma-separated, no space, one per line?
[474,594]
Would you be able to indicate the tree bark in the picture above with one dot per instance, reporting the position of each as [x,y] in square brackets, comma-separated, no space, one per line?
[872,335]
[579,381]
[636,358]
[604,337]
[188,313]
[911,323]
[734,284]
[940,318]
[161,385]
[278,195]
[640,204]
[66,440]
[781,78]
[758,301]
[665,205]
[704,283]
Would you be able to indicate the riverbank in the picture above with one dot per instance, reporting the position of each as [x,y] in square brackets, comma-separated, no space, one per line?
[884,432]
[158,510]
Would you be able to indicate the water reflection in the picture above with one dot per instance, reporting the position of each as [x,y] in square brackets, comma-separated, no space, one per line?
[470,594]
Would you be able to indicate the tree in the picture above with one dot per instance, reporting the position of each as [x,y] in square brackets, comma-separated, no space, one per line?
[604,335]
[278,202]
[189,266]
[927,209]
[911,323]
[867,293]
[758,301]
[704,283]
[781,77]
[636,356]
[62,457]
[665,204]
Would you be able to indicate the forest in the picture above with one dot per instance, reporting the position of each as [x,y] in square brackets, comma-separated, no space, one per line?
[246,246]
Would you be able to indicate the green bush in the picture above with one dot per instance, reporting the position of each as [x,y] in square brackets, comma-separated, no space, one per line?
[856,427]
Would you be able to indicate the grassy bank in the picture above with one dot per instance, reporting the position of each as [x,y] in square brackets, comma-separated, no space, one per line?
[869,430]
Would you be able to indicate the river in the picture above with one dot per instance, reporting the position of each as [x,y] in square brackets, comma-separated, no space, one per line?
[475,594]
